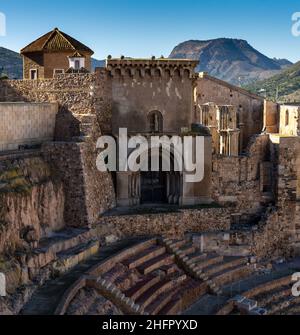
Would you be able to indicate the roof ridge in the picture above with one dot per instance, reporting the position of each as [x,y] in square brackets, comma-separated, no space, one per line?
[48,39]
[56,30]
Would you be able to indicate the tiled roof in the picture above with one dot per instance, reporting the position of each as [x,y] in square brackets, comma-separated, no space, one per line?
[56,40]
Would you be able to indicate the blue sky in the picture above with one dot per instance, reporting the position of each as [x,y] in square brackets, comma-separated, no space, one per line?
[145,28]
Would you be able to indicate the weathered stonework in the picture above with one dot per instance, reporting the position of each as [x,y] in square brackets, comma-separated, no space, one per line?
[167,224]
[31,203]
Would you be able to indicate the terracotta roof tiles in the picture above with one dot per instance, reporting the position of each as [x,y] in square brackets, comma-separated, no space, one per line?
[56,40]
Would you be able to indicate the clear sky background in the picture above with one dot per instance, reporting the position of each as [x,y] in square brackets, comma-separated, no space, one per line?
[139,28]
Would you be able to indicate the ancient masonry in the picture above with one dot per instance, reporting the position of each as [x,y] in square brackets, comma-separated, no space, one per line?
[57,210]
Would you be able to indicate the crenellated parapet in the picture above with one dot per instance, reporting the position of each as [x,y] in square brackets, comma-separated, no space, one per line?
[146,68]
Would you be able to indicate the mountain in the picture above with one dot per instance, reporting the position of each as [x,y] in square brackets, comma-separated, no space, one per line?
[232,60]
[11,64]
[284,86]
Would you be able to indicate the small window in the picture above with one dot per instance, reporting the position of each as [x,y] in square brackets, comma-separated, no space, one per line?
[287,117]
[77,64]
[59,71]
[33,74]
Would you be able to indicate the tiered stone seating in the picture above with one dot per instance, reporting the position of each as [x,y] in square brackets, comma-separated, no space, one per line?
[272,298]
[154,282]
[216,270]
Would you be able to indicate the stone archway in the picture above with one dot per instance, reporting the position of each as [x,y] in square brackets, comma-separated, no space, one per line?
[160,186]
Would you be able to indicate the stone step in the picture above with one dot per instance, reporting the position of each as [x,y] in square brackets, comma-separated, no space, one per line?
[293,309]
[266,287]
[273,296]
[141,287]
[144,256]
[64,239]
[208,261]
[196,257]
[186,249]
[175,244]
[282,304]
[169,269]
[114,273]
[154,291]
[173,307]
[70,258]
[191,292]
[219,267]
[231,275]
[161,301]
[155,263]
[237,250]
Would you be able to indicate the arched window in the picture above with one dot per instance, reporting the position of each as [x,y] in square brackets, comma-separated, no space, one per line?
[287,117]
[155,121]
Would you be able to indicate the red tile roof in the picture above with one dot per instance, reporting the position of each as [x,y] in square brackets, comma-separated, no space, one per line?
[56,40]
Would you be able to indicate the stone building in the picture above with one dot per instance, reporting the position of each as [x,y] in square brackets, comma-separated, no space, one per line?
[55,53]
[156,97]
[246,206]
[223,124]
[249,106]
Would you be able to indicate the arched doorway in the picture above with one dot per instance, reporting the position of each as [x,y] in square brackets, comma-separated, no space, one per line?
[154,183]
[160,186]
[153,187]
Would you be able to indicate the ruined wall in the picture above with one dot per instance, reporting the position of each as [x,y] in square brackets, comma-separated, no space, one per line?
[73,93]
[24,123]
[31,202]
[167,224]
[289,120]
[271,117]
[236,180]
[84,105]
[277,235]
[88,192]
[250,106]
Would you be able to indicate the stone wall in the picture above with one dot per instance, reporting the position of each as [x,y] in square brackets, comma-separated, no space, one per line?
[84,107]
[167,224]
[210,89]
[74,94]
[26,123]
[31,202]
[289,120]
[88,192]
[271,117]
[277,234]
[236,180]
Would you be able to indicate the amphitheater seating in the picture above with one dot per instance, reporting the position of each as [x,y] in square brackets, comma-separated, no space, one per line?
[273,297]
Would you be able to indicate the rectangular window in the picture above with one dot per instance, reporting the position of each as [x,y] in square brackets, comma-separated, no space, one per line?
[33,74]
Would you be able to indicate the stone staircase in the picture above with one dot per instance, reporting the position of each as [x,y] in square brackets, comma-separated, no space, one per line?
[152,280]
[214,269]
[47,298]
[62,251]
[272,297]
